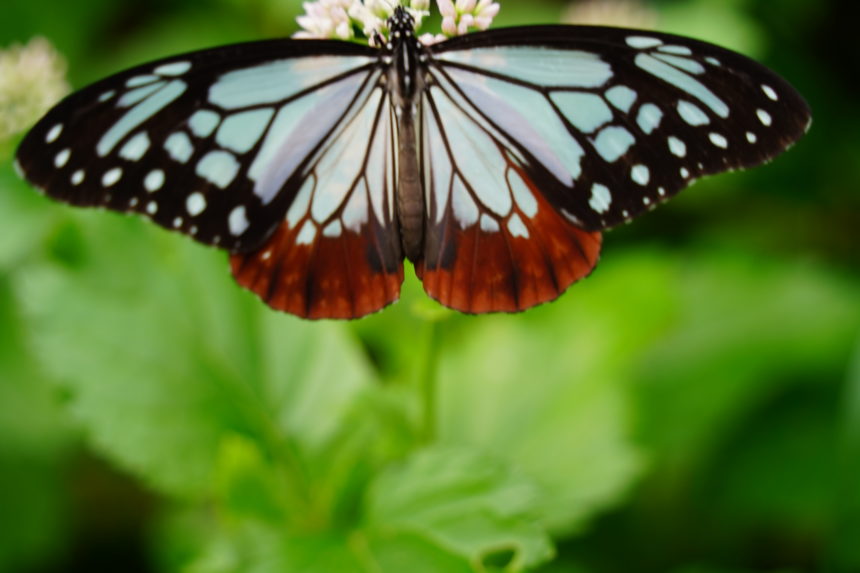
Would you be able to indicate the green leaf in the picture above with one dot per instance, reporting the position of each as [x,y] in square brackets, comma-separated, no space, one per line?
[544,392]
[463,502]
[23,218]
[742,327]
[34,448]
[246,483]
[164,356]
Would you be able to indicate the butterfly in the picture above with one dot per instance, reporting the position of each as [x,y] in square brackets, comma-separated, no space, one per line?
[493,161]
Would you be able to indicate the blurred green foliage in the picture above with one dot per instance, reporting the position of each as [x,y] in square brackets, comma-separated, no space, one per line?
[693,407]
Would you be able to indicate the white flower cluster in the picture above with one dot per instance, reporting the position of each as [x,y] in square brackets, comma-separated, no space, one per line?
[339,18]
[326,19]
[32,79]
[464,16]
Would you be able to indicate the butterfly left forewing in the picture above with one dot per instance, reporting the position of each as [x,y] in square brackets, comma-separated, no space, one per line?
[211,144]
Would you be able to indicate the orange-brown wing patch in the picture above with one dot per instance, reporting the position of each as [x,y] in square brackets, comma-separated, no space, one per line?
[506,264]
[347,276]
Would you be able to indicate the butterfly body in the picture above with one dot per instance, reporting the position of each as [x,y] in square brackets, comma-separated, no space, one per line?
[493,161]
[406,75]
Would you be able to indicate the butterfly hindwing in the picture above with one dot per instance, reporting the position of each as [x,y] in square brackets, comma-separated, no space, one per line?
[609,122]
[213,144]
[492,241]
[337,252]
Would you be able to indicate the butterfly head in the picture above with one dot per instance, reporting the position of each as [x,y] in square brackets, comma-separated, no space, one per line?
[401,24]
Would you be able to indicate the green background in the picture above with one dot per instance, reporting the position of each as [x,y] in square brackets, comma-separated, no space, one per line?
[692,407]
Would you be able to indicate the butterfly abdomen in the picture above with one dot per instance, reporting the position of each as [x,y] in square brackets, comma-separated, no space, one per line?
[406,78]
[410,202]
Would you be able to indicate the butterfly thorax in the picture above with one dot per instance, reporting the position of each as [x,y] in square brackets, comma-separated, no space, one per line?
[406,78]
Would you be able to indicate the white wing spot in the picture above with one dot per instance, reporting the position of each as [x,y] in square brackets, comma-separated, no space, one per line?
[54,133]
[522,194]
[764,117]
[177,222]
[302,200]
[178,145]
[152,207]
[237,221]
[719,140]
[751,137]
[62,158]
[153,180]
[106,96]
[682,63]
[173,69]
[692,114]
[136,147]
[685,172]
[465,210]
[621,96]
[111,176]
[612,142]
[769,92]
[661,191]
[713,61]
[646,201]
[488,224]
[601,198]
[649,117]
[133,202]
[78,177]
[677,50]
[308,233]
[204,122]
[218,167]
[135,96]
[137,81]
[333,230]
[195,203]
[267,254]
[573,218]
[516,227]
[643,42]
[677,146]
[640,174]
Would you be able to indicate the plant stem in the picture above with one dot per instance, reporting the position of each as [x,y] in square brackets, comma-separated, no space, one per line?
[428,385]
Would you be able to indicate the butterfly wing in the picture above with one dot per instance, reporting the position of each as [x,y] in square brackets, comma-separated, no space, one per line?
[219,145]
[492,241]
[337,253]
[598,125]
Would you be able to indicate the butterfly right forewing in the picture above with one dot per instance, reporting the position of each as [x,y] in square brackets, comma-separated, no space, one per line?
[609,122]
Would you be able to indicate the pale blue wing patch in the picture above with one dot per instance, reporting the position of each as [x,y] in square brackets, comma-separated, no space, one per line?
[526,116]
[475,188]
[277,81]
[537,65]
[352,177]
